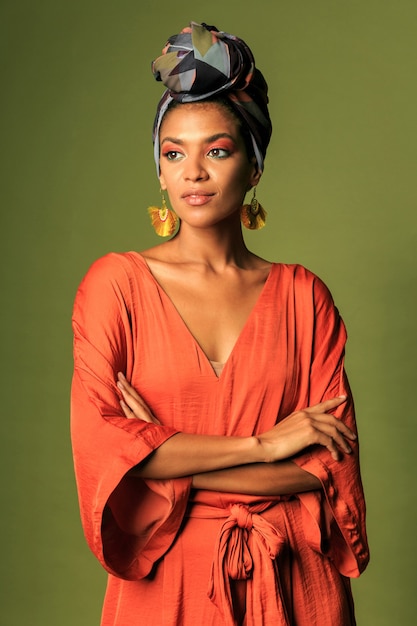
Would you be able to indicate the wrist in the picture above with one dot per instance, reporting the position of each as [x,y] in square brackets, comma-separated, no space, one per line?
[257,450]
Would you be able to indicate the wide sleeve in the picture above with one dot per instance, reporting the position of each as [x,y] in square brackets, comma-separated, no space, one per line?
[334,519]
[128,522]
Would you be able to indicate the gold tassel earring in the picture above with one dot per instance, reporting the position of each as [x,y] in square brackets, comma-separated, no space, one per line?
[253,215]
[163,220]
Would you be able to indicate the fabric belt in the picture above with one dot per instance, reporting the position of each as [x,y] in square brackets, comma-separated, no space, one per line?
[247,548]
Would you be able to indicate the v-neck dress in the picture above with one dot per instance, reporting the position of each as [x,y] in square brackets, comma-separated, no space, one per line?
[171,552]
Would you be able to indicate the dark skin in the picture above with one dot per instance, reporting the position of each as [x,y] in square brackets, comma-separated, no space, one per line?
[206,171]
[252,465]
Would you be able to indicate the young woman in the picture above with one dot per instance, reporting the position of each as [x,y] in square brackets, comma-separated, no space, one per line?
[213,426]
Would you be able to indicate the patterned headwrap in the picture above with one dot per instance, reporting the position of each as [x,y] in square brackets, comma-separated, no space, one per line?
[201,63]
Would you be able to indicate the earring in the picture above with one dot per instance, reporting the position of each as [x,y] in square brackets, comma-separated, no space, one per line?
[163,219]
[253,215]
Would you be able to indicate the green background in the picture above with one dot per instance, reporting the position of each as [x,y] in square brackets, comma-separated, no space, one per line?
[77,104]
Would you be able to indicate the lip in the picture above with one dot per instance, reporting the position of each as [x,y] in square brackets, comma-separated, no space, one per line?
[196,197]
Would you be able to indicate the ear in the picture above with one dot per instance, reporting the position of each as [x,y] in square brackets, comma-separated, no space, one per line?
[162,182]
[255,175]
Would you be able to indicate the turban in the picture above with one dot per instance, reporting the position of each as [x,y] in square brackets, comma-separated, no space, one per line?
[202,63]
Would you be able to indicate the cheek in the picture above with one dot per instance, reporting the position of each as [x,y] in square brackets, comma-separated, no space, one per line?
[243,179]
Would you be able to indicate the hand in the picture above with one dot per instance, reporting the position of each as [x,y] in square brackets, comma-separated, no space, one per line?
[310,426]
[132,404]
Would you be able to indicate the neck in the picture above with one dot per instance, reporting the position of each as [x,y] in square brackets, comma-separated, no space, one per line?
[216,247]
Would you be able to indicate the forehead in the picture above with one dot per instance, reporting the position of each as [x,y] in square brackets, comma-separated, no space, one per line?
[201,116]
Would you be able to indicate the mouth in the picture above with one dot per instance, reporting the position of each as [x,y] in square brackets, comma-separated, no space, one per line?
[197,198]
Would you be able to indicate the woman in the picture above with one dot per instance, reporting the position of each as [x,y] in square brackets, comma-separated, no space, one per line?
[213,427]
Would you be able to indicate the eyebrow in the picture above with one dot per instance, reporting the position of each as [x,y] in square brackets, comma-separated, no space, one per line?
[210,139]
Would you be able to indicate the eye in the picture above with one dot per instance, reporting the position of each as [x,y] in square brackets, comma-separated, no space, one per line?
[219,153]
[172,155]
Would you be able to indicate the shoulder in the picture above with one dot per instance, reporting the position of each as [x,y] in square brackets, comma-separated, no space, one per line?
[113,268]
[109,278]
[304,281]
[112,264]
[311,300]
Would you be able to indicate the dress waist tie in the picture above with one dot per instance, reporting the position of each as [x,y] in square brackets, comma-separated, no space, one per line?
[246,549]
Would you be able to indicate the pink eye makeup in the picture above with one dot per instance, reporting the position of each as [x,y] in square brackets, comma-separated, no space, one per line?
[223,145]
[169,146]
[170,150]
[216,147]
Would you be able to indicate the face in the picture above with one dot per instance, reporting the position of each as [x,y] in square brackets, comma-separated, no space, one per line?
[204,164]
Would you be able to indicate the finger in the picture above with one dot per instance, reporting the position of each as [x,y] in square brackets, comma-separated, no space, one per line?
[135,402]
[136,406]
[137,409]
[123,383]
[127,410]
[333,450]
[326,440]
[125,386]
[337,439]
[326,405]
[312,413]
[132,412]
[337,424]
[332,426]
[133,409]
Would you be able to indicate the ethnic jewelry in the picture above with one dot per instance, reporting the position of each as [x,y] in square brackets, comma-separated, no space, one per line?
[253,215]
[163,220]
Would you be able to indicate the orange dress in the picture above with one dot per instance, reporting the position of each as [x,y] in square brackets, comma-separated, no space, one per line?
[171,552]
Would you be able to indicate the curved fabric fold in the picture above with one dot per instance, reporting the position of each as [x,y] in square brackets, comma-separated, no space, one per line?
[246,550]
[104,345]
[288,356]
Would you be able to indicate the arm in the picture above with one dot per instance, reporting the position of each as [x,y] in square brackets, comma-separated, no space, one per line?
[259,479]
[128,524]
[334,517]
[188,454]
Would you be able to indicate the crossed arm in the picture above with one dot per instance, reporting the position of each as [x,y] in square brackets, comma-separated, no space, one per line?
[257,465]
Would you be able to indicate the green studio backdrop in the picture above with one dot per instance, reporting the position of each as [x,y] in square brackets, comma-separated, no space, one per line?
[77,170]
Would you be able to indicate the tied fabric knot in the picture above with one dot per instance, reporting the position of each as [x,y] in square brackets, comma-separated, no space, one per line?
[246,549]
[202,61]
[242,515]
[239,563]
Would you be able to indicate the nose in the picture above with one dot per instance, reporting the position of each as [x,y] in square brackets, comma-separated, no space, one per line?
[194,168]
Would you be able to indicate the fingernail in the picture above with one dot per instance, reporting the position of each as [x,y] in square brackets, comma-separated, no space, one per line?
[342,397]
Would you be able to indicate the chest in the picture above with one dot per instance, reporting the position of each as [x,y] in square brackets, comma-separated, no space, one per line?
[258,380]
[254,332]
[215,311]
